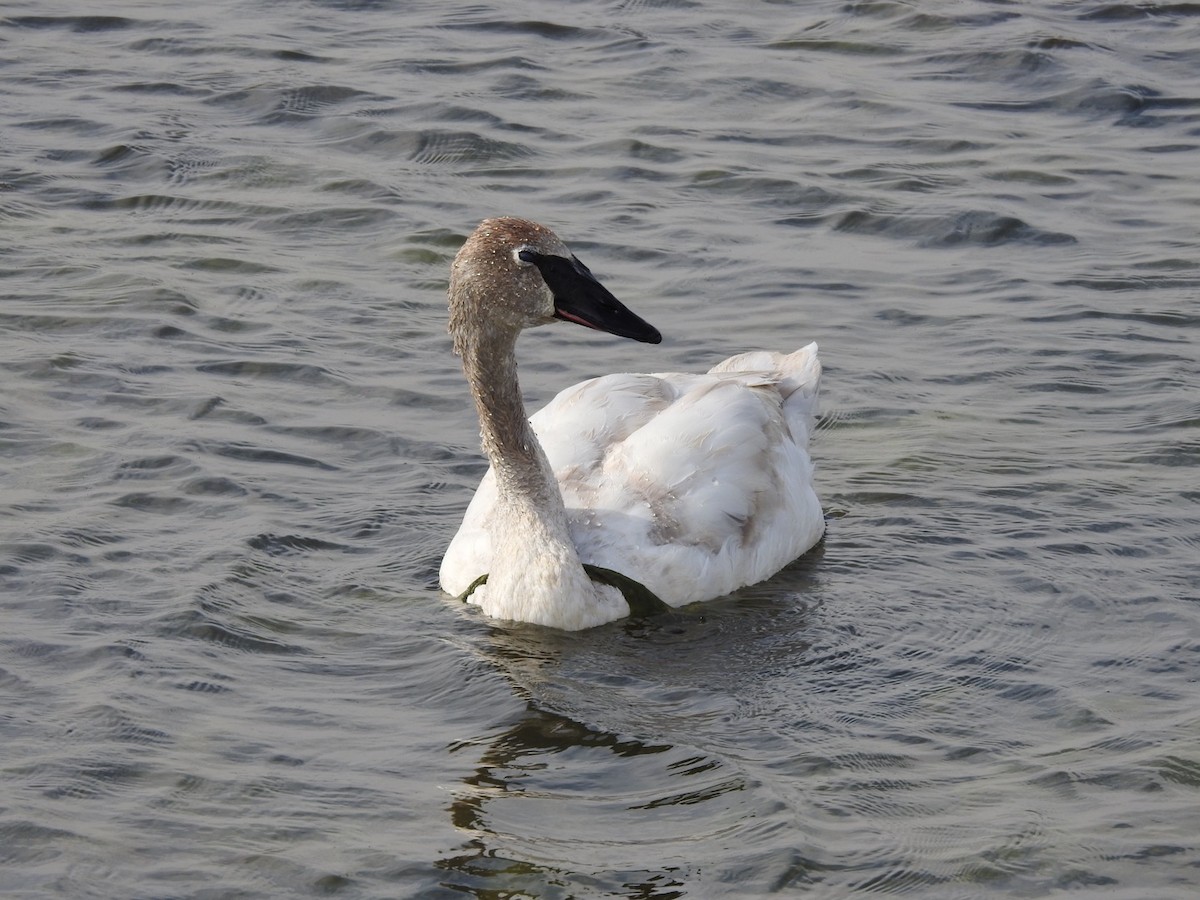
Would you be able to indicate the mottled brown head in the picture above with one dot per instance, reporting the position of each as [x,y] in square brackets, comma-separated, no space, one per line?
[513,274]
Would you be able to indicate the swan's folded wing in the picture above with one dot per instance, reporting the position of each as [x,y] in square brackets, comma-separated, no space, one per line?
[709,493]
[579,426]
[700,468]
[799,378]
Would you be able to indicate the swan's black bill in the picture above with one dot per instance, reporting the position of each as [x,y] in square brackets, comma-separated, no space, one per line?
[580,298]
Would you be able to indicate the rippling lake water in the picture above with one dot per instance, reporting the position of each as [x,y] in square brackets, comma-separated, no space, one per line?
[234,444]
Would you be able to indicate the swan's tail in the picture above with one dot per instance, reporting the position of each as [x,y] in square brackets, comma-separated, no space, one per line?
[798,376]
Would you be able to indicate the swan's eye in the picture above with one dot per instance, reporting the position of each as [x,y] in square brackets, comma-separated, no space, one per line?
[524,256]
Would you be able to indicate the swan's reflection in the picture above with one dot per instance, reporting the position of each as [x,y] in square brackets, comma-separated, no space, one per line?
[489,864]
[617,771]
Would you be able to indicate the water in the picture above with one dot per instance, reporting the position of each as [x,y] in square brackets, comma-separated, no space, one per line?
[233,444]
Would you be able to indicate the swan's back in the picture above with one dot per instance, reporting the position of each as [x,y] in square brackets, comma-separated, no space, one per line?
[694,485]
[799,382]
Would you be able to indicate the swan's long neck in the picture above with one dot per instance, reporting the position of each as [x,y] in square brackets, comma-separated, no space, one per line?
[536,573]
[508,439]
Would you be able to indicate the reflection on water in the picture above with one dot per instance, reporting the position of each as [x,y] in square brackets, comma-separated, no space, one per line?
[519,754]
[592,802]
[234,443]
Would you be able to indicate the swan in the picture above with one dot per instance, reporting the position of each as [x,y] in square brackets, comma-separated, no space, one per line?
[626,492]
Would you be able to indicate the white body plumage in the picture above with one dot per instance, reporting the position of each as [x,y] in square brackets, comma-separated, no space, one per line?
[692,484]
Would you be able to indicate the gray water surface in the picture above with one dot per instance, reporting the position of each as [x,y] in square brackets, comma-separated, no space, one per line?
[234,444]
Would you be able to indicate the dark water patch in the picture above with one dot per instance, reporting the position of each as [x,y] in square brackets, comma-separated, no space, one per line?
[359,187]
[442,147]
[434,147]
[538,28]
[1123,12]
[111,722]
[78,24]
[173,46]
[1180,453]
[771,191]
[287,544]
[243,637]
[311,99]
[129,160]
[304,373]
[635,5]
[81,126]
[637,149]
[204,687]
[331,219]
[976,227]
[24,841]
[502,62]
[1096,100]
[154,503]
[28,552]
[88,779]
[165,88]
[181,209]
[301,56]
[347,437]
[1004,65]
[1110,283]
[1173,148]
[261,455]
[92,538]
[149,467]
[280,105]
[215,487]
[1042,179]
[225,265]
[1179,770]
[186,167]
[1173,319]
[907,179]
[837,47]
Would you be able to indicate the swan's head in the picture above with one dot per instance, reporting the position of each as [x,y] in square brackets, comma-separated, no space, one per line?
[513,274]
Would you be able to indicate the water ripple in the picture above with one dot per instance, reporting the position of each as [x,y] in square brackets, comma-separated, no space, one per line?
[235,443]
